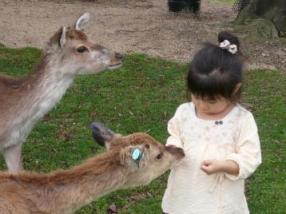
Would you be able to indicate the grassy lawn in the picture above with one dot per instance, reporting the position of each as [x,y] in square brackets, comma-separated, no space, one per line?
[142,96]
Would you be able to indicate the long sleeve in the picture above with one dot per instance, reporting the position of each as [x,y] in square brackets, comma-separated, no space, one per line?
[174,131]
[248,154]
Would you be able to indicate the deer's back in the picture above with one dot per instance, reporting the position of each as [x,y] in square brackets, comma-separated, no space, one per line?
[10,94]
[9,84]
[14,199]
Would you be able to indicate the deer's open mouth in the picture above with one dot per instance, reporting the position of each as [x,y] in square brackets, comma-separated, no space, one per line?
[116,61]
[114,66]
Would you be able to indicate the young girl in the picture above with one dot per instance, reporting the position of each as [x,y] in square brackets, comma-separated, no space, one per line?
[218,135]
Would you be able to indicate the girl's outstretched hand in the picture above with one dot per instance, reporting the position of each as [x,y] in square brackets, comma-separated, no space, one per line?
[211,166]
[215,166]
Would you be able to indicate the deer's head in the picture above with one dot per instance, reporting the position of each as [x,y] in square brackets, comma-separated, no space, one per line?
[77,54]
[144,158]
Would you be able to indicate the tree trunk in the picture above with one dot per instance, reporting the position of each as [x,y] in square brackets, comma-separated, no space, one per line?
[266,17]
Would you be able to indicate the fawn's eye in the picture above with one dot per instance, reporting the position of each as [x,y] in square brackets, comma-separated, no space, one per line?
[81,49]
[159,156]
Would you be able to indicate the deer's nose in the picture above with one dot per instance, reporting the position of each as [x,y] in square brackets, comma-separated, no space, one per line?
[176,151]
[119,56]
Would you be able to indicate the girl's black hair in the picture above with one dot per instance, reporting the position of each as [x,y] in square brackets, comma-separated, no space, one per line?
[215,71]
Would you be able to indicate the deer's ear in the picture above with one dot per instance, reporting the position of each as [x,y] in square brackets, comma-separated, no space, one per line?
[82,21]
[58,39]
[101,134]
[63,36]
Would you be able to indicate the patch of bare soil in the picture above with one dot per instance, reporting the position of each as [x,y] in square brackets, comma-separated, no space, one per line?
[131,26]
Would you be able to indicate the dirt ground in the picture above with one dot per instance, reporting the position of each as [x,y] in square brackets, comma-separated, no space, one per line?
[132,26]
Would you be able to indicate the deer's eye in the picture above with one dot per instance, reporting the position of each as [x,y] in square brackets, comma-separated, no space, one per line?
[147,146]
[159,156]
[81,49]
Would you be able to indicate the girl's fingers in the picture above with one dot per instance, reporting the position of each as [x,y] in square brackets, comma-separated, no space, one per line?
[204,167]
[206,162]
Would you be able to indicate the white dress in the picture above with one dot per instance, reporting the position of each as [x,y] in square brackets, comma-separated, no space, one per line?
[192,191]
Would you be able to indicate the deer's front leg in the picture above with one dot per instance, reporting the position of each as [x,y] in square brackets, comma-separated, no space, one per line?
[13,158]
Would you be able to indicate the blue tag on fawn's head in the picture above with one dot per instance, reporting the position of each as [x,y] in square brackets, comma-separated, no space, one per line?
[137,154]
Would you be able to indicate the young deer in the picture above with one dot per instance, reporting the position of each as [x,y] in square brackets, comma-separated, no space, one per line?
[130,161]
[24,101]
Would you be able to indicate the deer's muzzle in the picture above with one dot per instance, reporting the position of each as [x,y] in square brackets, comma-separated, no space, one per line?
[176,151]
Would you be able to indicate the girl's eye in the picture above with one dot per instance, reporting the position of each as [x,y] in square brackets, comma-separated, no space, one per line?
[158,157]
[81,49]
[212,101]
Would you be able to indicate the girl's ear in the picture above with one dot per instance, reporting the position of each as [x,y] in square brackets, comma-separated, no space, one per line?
[236,88]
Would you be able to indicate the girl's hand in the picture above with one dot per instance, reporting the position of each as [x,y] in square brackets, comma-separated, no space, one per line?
[211,166]
[215,166]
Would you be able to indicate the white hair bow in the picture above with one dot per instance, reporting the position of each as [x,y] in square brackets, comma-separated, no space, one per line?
[232,48]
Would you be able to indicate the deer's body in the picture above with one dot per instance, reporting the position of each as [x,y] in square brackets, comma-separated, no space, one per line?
[65,191]
[62,192]
[24,101]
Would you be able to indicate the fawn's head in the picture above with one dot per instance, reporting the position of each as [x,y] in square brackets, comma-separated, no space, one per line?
[77,54]
[143,156]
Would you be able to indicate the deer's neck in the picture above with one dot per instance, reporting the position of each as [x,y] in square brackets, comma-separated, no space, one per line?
[38,94]
[89,189]
[47,86]
[79,186]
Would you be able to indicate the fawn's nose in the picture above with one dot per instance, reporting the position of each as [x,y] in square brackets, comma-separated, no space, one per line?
[119,56]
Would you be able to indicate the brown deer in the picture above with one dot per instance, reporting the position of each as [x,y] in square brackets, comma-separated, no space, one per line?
[24,101]
[65,191]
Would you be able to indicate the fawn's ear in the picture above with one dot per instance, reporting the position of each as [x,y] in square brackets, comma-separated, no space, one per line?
[101,134]
[82,21]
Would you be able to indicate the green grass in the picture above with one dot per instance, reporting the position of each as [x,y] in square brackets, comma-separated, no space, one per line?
[142,96]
